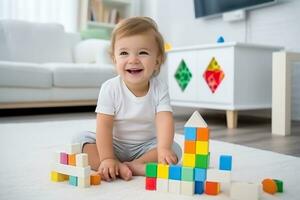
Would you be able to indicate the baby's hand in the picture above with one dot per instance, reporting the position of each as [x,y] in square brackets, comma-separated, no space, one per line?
[167,156]
[109,169]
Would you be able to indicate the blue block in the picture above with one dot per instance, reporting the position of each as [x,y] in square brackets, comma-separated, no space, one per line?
[73,180]
[199,187]
[220,40]
[175,172]
[190,133]
[225,162]
[200,174]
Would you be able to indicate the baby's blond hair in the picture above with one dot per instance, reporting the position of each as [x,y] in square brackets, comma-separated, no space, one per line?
[134,26]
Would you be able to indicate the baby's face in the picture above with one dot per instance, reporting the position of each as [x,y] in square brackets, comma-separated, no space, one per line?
[136,58]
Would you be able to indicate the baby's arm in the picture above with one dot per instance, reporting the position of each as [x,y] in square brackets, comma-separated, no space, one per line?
[165,137]
[104,140]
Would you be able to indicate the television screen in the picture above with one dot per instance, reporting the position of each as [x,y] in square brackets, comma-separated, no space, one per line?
[213,7]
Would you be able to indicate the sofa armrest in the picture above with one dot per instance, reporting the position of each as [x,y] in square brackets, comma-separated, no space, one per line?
[92,51]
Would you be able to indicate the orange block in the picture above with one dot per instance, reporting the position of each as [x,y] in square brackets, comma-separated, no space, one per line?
[95,179]
[269,186]
[212,188]
[202,134]
[72,159]
[190,146]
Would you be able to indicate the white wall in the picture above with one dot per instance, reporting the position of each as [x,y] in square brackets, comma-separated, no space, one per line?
[275,25]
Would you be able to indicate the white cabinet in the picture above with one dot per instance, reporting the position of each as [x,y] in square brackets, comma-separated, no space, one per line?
[247,77]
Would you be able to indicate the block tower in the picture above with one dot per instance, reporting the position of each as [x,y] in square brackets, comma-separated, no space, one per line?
[194,176]
[72,165]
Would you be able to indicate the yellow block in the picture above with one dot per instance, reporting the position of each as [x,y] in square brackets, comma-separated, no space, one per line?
[57,177]
[163,171]
[202,147]
[189,160]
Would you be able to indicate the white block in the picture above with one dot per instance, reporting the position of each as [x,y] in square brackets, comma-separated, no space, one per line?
[82,160]
[73,148]
[187,187]
[84,182]
[162,185]
[174,186]
[216,175]
[72,170]
[244,191]
[56,157]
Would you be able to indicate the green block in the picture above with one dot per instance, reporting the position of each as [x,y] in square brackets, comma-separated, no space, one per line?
[187,174]
[73,180]
[151,170]
[279,184]
[202,161]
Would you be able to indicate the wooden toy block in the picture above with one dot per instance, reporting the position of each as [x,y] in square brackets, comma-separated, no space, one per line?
[82,160]
[72,170]
[196,121]
[225,162]
[269,186]
[63,158]
[175,172]
[57,177]
[215,175]
[187,187]
[162,185]
[72,159]
[66,177]
[279,184]
[150,183]
[73,180]
[151,170]
[202,134]
[189,160]
[199,187]
[163,171]
[174,186]
[83,182]
[200,174]
[202,147]
[190,133]
[73,148]
[95,179]
[244,191]
[202,161]
[190,147]
[187,174]
[212,188]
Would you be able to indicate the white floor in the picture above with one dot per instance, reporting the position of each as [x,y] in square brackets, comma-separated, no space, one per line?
[26,155]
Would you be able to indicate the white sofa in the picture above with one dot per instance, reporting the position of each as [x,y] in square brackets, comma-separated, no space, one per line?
[43,66]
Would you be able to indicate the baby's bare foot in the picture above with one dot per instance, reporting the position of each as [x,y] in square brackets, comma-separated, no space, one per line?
[138,169]
[125,172]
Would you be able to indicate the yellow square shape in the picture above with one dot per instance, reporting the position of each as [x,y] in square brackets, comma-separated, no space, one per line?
[57,177]
[202,147]
[162,171]
[189,160]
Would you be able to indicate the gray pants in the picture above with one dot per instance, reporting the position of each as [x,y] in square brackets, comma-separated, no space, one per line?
[125,151]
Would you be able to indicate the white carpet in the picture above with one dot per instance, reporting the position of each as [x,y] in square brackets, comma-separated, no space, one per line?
[26,150]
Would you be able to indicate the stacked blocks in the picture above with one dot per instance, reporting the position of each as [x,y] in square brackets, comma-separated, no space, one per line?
[72,165]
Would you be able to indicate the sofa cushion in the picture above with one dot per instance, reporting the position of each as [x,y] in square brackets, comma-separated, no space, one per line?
[80,75]
[18,74]
[35,42]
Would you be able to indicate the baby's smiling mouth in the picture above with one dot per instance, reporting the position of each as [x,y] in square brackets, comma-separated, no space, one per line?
[134,71]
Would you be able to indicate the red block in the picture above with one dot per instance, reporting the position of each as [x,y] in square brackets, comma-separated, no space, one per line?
[212,188]
[150,183]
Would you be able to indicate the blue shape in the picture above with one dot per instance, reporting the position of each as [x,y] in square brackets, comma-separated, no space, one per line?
[200,174]
[73,180]
[199,187]
[190,133]
[220,40]
[175,172]
[225,162]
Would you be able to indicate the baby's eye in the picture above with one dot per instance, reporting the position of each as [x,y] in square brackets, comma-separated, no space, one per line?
[144,53]
[123,53]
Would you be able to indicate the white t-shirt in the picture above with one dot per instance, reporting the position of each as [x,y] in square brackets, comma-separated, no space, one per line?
[134,117]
